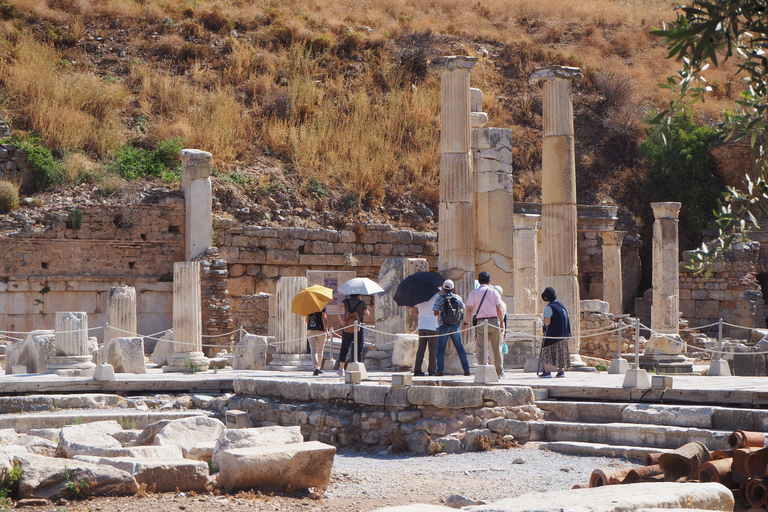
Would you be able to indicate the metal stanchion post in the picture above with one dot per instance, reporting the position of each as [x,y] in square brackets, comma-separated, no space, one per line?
[637,377]
[637,343]
[356,366]
[719,367]
[485,372]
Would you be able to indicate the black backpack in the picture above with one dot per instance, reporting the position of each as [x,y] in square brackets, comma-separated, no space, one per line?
[452,311]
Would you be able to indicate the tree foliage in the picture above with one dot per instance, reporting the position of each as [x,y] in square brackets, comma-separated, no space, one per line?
[709,33]
[682,169]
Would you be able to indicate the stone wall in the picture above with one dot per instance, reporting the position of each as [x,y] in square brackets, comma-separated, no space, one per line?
[731,292]
[14,166]
[259,256]
[420,419]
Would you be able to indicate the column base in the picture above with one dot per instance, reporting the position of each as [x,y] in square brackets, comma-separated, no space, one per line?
[666,363]
[486,374]
[187,362]
[69,364]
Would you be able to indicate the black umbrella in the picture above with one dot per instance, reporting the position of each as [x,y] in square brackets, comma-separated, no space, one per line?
[418,288]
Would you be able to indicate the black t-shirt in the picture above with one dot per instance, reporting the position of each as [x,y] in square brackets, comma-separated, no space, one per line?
[315,321]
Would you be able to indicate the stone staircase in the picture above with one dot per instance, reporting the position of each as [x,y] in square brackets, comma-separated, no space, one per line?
[632,430]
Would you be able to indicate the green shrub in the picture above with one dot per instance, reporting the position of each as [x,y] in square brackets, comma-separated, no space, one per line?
[9,196]
[45,168]
[163,162]
[682,169]
[75,219]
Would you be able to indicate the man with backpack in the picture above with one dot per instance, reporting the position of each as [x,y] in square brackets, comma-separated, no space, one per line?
[449,309]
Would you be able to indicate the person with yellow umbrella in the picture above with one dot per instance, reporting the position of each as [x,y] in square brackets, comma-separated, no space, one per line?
[311,302]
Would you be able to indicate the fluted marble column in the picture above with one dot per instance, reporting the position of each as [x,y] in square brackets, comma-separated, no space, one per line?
[187,320]
[71,340]
[613,291]
[198,201]
[121,315]
[291,332]
[665,312]
[456,233]
[558,194]
[527,294]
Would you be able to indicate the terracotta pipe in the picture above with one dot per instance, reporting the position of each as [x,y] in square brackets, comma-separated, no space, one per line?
[722,454]
[684,462]
[642,474]
[718,471]
[755,491]
[652,459]
[744,438]
[757,462]
[740,469]
[600,477]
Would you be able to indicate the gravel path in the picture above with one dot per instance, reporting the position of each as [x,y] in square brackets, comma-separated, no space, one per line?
[363,482]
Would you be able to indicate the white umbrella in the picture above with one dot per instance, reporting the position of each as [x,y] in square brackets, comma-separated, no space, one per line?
[360,286]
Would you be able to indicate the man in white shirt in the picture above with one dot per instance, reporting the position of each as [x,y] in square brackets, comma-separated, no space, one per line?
[485,303]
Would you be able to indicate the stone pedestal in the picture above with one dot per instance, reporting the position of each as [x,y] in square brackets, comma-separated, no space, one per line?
[613,292]
[388,317]
[72,352]
[187,320]
[619,366]
[719,368]
[558,194]
[121,316]
[196,183]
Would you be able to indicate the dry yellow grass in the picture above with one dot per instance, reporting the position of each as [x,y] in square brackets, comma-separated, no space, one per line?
[321,84]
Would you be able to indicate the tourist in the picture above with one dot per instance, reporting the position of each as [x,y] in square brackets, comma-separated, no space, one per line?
[485,303]
[557,330]
[317,334]
[449,310]
[503,326]
[355,309]
[427,336]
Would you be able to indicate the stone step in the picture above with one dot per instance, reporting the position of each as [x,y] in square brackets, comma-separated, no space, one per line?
[633,453]
[707,417]
[635,434]
[129,418]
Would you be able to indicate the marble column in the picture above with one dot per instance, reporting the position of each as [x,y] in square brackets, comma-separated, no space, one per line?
[527,294]
[494,201]
[121,315]
[558,194]
[71,341]
[456,233]
[196,183]
[187,320]
[291,329]
[613,291]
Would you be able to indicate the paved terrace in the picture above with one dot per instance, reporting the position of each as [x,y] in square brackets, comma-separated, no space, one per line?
[686,389]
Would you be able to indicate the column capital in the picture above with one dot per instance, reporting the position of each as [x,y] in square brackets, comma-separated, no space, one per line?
[666,210]
[526,221]
[549,73]
[613,237]
[197,163]
[452,63]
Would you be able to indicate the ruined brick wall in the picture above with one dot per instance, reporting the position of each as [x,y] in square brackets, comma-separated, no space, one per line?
[251,312]
[731,292]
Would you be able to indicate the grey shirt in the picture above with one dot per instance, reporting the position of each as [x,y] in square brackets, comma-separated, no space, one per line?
[440,300]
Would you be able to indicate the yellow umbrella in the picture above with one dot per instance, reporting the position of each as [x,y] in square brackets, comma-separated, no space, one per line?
[311,300]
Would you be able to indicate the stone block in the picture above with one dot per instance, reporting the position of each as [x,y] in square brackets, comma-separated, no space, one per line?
[239,286]
[446,397]
[404,350]
[418,442]
[163,349]
[448,445]
[164,475]
[691,416]
[126,355]
[472,439]
[748,364]
[34,352]
[373,394]
[295,390]
[250,353]
[298,466]
[509,395]
[251,255]
[87,439]
[331,391]
[187,432]
[594,305]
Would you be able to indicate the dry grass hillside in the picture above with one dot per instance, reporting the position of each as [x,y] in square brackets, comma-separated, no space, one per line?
[329,106]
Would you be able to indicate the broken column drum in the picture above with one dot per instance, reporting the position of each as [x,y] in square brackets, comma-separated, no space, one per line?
[121,315]
[558,194]
[456,233]
[187,320]
[71,340]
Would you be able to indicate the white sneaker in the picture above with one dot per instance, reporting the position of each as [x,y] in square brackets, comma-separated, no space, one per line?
[340,372]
